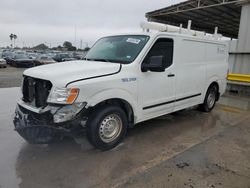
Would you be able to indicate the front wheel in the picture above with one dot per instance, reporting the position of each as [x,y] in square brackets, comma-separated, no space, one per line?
[106,127]
[210,99]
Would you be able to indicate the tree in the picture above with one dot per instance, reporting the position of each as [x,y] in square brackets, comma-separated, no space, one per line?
[68,45]
[59,47]
[13,36]
[86,49]
[41,47]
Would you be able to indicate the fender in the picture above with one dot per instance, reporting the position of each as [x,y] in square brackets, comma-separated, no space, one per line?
[213,78]
[114,94]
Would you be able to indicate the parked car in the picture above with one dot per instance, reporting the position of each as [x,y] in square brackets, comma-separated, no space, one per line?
[32,55]
[8,55]
[69,59]
[79,55]
[2,61]
[21,60]
[44,59]
[59,57]
[124,80]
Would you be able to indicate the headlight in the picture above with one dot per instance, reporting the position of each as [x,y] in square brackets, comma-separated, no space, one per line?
[63,95]
[68,112]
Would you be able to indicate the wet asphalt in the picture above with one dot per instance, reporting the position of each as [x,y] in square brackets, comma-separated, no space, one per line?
[10,76]
[183,149]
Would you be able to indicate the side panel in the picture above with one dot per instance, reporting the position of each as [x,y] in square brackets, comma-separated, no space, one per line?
[190,73]
[217,65]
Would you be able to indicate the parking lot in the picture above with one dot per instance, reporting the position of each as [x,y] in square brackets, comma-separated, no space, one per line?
[184,149]
[97,92]
[10,76]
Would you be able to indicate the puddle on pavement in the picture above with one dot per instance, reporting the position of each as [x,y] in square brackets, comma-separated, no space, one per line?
[230,109]
[69,162]
[235,102]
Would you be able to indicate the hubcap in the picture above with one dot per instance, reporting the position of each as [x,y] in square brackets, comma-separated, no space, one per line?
[211,99]
[110,128]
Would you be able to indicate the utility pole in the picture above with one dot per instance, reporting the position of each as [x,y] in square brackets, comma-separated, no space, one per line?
[86,43]
[75,36]
[81,44]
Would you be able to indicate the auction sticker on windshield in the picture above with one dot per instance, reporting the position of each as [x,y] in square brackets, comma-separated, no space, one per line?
[133,40]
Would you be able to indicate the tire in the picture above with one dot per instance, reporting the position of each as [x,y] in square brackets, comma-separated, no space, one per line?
[106,127]
[210,99]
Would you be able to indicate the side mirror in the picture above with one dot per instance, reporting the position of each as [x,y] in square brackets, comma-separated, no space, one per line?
[155,64]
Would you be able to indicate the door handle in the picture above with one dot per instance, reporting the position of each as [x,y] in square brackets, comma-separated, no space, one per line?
[171,75]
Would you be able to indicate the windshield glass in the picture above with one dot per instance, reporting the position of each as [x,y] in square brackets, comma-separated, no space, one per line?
[44,58]
[119,49]
[21,56]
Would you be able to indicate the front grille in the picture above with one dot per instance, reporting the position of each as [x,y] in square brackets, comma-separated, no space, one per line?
[36,91]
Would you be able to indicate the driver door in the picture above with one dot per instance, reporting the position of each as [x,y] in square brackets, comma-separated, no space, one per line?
[157,89]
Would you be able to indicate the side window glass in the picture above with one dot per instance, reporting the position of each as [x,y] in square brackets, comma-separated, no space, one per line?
[162,47]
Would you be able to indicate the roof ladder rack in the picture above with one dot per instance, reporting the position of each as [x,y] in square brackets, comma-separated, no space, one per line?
[147,26]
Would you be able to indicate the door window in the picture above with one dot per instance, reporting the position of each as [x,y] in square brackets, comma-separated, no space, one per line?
[162,47]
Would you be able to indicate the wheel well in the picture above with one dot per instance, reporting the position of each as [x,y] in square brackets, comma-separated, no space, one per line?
[217,85]
[121,103]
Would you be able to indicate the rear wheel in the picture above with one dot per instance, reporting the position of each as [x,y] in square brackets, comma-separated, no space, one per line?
[210,99]
[106,127]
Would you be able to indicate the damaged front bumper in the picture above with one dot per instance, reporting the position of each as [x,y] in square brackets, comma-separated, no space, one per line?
[40,128]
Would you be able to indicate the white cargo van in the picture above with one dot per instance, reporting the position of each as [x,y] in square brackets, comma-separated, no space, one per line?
[123,80]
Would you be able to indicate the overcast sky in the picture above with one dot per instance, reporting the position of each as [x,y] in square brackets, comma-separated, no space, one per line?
[54,21]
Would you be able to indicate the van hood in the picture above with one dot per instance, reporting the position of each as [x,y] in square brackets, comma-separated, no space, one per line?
[61,74]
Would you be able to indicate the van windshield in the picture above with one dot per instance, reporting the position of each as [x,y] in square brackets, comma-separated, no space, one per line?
[117,49]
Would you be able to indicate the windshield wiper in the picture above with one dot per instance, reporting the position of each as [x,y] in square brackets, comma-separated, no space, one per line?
[104,60]
[107,60]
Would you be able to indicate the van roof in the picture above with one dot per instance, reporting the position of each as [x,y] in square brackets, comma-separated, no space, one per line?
[154,34]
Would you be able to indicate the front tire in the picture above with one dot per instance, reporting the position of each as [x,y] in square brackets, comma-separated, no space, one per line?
[210,99]
[106,127]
